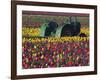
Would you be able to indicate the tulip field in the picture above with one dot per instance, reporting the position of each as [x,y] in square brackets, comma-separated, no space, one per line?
[39,52]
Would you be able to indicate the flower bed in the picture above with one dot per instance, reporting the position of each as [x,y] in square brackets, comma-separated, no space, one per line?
[55,52]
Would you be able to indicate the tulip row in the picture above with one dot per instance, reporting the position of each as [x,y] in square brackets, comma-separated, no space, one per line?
[36,31]
[55,39]
[30,31]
